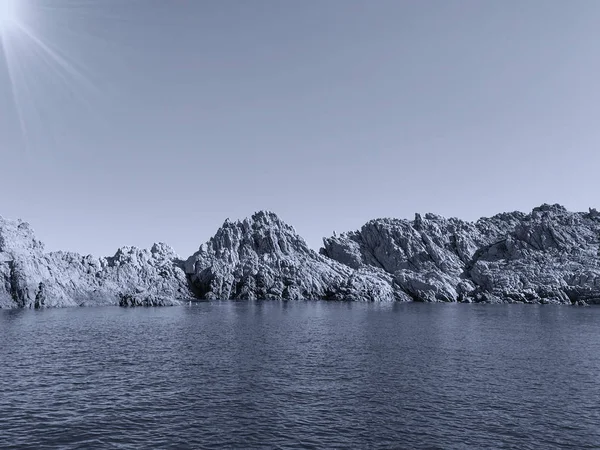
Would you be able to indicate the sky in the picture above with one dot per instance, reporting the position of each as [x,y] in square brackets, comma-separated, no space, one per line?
[128,122]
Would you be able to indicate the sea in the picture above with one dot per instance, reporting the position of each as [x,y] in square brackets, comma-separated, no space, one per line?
[301,375]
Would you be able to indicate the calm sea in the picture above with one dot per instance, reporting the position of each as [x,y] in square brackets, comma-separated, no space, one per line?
[290,375]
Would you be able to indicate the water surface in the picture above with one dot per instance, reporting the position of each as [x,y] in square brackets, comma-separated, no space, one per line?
[301,375]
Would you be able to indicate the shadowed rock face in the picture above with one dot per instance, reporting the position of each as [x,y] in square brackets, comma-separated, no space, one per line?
[263,258]
[31,278]
[549,255]
[145,299]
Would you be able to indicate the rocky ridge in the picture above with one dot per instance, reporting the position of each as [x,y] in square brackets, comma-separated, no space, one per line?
[550,255]
[31,278]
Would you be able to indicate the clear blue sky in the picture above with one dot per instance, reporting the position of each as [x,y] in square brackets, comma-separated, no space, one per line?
[154,120]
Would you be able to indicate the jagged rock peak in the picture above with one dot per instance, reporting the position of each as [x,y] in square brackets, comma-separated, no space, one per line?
[159,250]
[260,219]
[17,236]
[545,207]
[593,213]
[262,233]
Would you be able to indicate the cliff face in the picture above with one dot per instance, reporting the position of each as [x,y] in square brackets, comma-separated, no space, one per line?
[29,277]
[549,255]
[263,258]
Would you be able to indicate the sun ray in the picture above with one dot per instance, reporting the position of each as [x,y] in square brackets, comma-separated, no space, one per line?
[9,61]
[68,66]
[96,9]
[42,66]
[49,63]
[32,89]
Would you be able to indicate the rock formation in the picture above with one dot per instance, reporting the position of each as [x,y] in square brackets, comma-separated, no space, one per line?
[29,277]
[547,256]
[263,258]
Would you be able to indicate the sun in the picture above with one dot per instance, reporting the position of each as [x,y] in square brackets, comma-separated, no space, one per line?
[8,13]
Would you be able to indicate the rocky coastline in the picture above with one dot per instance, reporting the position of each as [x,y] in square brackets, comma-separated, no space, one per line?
[549,255]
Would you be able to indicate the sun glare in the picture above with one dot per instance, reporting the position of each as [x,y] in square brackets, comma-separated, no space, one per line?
[35,58]
[8,13]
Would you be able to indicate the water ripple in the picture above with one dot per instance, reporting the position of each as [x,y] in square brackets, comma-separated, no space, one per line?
[301,375]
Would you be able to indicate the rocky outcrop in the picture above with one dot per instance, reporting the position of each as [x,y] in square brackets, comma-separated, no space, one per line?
[31,278]
[548,256]
[552,255]
[263,258]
